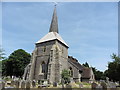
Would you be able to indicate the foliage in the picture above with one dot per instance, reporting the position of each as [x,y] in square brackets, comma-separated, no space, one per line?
[15,64]
[86,64]
[65,76]
[99,75]
[2,54]
[113,71]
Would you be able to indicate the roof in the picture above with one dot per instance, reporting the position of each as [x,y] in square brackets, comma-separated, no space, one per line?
[75,62]
[54,22]
[86,72]
[52,36]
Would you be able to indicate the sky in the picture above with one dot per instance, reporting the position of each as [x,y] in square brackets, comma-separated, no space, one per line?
[89,28]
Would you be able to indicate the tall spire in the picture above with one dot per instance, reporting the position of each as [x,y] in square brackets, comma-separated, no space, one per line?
[54,22]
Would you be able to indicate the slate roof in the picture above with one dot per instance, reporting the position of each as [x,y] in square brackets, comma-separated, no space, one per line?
[52,36]
[86,72]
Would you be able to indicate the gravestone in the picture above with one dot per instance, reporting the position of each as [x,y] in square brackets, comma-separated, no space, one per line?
[94,85]
[104,85]
[62,81]
[28,84]
[2,85]
[33,83]
[112,85]
[22,84]
[54,84]
[17,83]
[12,83]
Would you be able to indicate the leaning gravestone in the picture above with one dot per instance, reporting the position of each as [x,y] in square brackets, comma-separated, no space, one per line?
[33,84]
[17,83]
[94,85]
[28,84]
[104,85]
[22,84]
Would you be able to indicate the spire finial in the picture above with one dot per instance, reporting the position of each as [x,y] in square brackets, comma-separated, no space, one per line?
[54,22]
[55,4]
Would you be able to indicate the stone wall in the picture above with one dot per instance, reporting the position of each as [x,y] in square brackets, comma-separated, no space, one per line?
[76,75]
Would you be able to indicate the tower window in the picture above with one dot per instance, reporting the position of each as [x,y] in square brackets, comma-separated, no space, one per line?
[43,67]
[44,49]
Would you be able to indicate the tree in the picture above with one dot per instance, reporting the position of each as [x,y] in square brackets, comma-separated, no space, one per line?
[1,58]
[2,54]
[65,76]
[99,75]
[16,62]
[114,68]
[86,64]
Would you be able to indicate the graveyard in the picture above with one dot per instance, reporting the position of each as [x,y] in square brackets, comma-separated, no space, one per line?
[17,83]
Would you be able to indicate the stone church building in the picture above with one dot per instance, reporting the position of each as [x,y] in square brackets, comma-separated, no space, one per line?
[50,57]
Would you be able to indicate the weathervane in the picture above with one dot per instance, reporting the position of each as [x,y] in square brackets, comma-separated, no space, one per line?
[55,4]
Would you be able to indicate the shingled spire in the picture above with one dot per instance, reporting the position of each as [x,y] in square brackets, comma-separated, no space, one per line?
[54,22]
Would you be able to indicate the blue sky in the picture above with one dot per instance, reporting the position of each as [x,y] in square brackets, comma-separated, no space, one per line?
[90,29]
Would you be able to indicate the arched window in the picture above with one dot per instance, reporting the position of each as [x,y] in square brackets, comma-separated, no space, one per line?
[44,49]
[43,67]
[71,72]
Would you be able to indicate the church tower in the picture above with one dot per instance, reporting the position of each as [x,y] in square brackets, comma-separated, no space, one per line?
[50,56]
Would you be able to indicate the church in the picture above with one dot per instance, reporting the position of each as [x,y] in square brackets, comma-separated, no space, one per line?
[50,57]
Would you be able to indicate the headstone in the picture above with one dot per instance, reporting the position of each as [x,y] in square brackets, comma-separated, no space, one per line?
[33,84]
[112,85]
[54,84]
[28,84]
[2,85]
[12,83]
[22,84]
[17,84]
[94,85]
[104,85]
[107,79]
[62,81]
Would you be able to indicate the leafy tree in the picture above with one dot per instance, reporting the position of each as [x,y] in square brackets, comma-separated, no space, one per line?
[99,75]
[114,68]
[2,54]
[65,76]
[86,64]
[16,62]
[1,58]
